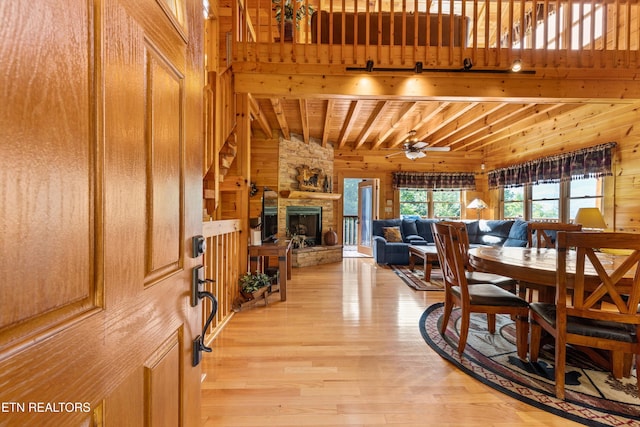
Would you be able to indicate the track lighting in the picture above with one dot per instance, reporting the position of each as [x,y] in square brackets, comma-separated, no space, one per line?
[467,66]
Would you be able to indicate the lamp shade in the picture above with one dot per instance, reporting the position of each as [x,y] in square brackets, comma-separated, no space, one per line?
[477,204]
[590,218]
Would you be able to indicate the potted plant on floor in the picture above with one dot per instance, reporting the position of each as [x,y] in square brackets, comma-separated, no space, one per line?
[254,285]
[285,7]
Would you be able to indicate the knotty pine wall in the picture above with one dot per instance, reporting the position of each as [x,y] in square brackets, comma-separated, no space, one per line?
[622,204]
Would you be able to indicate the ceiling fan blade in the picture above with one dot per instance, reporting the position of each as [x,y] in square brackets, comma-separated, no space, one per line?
[393,154]
[436,149]
[418,145]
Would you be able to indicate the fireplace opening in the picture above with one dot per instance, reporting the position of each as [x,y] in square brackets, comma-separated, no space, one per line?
[306,223]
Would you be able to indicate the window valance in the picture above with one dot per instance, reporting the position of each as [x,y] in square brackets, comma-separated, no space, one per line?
[434,181]
[593,162]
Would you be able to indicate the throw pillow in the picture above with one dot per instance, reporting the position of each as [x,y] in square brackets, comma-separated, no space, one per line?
[392,234]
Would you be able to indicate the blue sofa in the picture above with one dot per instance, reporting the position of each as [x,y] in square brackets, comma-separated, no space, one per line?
[418,232]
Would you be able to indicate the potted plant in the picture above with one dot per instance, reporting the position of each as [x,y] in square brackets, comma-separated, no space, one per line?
[253,285]
[286,7]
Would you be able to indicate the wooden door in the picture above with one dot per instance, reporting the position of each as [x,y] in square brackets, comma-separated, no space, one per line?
[367,212]
[100,194]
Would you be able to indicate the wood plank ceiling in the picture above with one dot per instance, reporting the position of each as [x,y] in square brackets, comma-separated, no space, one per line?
[365,124]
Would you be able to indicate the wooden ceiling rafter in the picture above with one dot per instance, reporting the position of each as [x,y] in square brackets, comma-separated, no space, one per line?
[349,123]
[447,134]
[431,111]
[449,115]
[327,121]
[280,116]
[304,117]
[380,108]
[406,110]
[517,123]
[259,116]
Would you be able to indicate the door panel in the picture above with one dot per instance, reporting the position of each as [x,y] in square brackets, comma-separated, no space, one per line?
[367,212]
[100,194]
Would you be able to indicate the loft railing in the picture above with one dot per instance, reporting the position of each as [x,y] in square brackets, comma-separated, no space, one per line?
[223,249]
[492,33]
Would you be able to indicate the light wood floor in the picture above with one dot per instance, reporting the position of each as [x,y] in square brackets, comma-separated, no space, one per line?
[345,350]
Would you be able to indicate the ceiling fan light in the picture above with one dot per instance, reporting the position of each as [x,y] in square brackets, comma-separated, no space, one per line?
[412,155]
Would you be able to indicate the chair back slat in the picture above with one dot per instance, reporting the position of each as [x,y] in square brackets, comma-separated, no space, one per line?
[463,238]
[451,252]
[538,235]
[615,294]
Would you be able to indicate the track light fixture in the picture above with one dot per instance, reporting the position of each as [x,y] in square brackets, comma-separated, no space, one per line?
[467,64]
[418,68]
[516,66]
[369,67]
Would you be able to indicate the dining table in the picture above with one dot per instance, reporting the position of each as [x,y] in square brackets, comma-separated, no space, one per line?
[538,266]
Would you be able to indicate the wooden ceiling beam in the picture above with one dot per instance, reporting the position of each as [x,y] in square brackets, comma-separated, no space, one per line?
[448,115]
[431,111]
[518,122]
[446,134]
[406,110]
[349,122]
[280,116]
[327,122]
[258,115]
[379,110]
[582,86]
[304,117]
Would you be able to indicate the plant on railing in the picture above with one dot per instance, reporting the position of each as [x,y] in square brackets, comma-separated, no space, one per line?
[302,10]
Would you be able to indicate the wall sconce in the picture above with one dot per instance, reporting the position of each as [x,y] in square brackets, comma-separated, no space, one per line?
[478,205]
[467,64]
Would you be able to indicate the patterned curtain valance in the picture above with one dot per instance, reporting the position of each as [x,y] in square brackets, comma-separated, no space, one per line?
[434,181]
[593,162]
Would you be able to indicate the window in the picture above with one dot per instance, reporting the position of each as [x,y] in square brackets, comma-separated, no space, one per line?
[446,204]
[545,202]
[414,202]
[585,193]
[552,201]
[513,203]
[430,204]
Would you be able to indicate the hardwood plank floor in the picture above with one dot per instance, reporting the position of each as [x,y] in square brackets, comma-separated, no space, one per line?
[345,350]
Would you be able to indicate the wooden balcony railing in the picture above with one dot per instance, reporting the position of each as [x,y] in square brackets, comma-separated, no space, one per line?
[492,33]
[220,261]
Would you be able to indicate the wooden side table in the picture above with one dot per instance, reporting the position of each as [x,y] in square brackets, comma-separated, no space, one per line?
[259,260]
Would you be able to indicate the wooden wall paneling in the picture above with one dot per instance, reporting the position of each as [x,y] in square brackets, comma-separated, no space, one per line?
[264,171]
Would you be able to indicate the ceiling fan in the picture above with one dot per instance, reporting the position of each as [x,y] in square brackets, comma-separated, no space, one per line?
[414,149]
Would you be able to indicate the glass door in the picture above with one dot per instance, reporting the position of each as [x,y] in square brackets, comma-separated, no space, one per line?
[367,211]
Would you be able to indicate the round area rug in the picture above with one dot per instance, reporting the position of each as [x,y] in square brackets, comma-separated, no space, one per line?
[593,397]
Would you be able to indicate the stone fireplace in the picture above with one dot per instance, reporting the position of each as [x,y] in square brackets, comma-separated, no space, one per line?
[311,215]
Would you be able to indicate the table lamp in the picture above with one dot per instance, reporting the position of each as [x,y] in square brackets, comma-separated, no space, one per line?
[478,205]
[590,218]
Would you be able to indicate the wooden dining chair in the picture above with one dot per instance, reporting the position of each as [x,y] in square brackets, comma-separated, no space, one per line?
[542,235]
[588,319]
[484,298]
[474,276]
